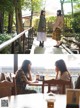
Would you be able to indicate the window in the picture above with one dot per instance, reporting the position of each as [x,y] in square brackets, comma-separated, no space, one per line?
[6,63]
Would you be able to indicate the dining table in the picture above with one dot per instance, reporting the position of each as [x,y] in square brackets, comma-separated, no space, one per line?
[35,100]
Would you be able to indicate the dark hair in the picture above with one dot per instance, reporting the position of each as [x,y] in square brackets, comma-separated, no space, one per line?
[42,11]
[24,66]
[59,13]
[61,65]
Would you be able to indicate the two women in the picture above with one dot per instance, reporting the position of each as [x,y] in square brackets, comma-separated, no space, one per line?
[57,28]
[23,75]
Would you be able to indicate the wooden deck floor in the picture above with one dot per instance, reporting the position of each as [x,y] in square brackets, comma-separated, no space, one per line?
[48,48]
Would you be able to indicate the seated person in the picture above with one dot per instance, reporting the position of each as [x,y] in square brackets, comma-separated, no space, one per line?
[62,72]
[23,77]
[77,84]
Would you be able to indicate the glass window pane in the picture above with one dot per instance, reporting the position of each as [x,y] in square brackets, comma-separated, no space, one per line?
[6,63]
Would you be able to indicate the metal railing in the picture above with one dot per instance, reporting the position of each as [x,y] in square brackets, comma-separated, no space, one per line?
[20,41]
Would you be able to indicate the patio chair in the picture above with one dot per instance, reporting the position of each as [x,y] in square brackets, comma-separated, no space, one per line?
[7,88]
[60,85]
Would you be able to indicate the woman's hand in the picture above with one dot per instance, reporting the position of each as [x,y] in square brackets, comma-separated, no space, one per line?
[57,73]
[30,76]
[57,76]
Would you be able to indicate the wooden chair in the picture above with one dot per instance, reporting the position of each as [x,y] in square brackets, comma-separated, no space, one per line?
[6,88]
[61,85]
[14,89]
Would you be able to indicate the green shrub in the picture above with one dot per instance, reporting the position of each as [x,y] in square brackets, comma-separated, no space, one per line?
[35,23]
[3,38]
[50,20]
[76,22]
[77,37]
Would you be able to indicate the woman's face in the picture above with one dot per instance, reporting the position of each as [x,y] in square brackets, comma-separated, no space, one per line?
[29,67]
[56,69]
[43,13]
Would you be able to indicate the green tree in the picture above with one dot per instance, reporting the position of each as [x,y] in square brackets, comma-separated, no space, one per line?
[18,15]
[71,1]
[5,6]
[77,6]
[34,6]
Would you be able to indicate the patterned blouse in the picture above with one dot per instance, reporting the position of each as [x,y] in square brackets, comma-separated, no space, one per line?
[21,80]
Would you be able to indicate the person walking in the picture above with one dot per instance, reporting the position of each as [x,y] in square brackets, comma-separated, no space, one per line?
[57,28]
[41,35]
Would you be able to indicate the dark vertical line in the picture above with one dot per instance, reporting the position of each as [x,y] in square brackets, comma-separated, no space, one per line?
[15,62]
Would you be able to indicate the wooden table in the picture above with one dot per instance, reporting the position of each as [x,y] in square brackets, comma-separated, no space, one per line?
[39,83]
[36,86]
[37,100]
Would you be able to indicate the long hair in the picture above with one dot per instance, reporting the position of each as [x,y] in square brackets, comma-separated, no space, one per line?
[42,11]
[61,66]
[24,66]
[59,13]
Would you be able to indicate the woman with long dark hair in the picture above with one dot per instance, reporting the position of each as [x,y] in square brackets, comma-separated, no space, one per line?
[62,71]
[57,28]
[23,77]
[41,36]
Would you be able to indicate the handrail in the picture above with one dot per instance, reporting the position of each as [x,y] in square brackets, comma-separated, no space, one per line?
[13,39]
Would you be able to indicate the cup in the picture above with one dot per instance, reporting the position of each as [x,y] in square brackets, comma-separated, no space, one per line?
[41,77]
[37,77]
[50,103]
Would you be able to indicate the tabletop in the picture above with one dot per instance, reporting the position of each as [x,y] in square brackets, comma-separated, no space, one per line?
[37,83]
[37,100]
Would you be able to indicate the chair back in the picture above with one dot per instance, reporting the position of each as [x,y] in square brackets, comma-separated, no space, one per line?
[14,89]
[6,88]
[61,85]
[77,83]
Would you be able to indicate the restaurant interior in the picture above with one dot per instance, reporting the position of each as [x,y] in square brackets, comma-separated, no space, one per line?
[46,87]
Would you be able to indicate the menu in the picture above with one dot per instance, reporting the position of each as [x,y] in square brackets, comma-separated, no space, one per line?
[73,98]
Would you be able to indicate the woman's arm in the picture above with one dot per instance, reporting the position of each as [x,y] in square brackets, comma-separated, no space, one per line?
[43,21]
[57,74]
[61,22]
[26,80]
[56,23]
[30,76]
